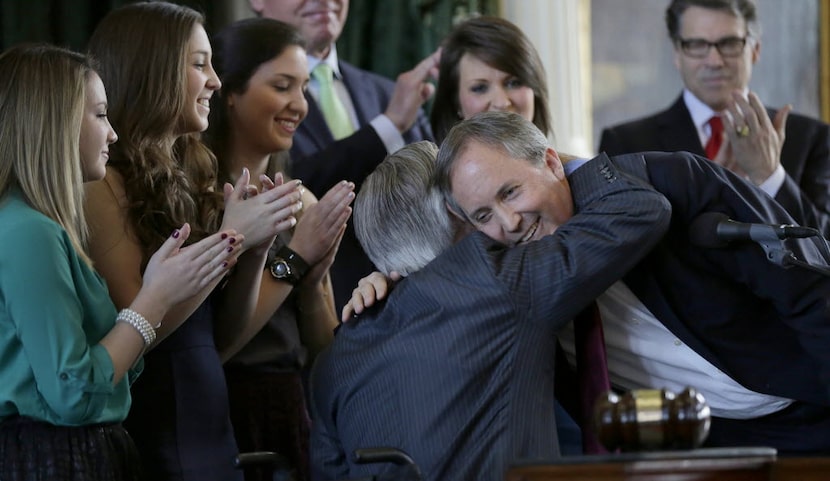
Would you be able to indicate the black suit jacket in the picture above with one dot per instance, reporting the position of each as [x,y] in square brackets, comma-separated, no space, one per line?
[805,155]
[320,161]
[457,368]
[766,326]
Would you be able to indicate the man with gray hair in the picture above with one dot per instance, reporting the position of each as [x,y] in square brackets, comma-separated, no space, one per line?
[695,311]
[456,368]
[682,316]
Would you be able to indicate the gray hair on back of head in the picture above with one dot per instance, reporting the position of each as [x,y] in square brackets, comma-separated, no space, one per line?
[399,216]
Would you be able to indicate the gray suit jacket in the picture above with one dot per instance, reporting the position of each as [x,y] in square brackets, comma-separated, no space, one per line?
[457,368]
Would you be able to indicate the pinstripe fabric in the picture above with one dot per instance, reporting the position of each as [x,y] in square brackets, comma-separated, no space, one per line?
[457,368]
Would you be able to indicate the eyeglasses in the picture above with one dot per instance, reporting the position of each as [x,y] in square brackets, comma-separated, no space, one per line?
[727,47]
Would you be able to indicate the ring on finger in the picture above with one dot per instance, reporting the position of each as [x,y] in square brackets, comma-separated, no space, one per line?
[742,131]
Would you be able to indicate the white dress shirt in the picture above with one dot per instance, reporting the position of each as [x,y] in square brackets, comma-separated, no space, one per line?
[644,354]
[390,136]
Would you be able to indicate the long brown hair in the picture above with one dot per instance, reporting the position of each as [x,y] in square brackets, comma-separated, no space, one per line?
[501,45]
[142,49]
[239,50]
[42,95]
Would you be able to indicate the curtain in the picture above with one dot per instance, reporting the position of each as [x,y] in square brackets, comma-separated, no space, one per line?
[69,23]
[390,37]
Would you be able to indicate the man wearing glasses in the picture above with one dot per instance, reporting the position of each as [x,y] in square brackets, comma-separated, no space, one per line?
[716,44]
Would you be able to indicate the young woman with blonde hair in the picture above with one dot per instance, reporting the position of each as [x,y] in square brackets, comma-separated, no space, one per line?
[68,355]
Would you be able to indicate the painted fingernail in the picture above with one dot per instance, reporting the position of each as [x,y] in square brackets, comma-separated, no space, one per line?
[224,264]
[176,234]
[230,248]
[224,236]
[232,240]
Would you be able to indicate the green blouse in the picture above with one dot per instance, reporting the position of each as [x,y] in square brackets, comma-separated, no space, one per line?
[54,309]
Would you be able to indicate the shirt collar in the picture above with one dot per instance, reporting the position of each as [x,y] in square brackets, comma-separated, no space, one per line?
[573,164]
[331,60]
[700,112]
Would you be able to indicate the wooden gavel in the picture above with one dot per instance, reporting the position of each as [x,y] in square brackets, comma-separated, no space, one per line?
[643,420]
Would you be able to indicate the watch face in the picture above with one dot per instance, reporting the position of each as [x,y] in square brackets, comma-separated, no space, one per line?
[280,269]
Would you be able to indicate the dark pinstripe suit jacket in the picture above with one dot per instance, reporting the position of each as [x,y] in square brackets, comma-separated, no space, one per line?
[805,155]
[320,161]
[457,367]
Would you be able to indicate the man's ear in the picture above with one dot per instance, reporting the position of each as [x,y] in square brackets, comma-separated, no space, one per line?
[554,163]
[460,226]
[756,51]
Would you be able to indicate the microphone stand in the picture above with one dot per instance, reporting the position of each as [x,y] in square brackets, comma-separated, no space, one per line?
[780,256]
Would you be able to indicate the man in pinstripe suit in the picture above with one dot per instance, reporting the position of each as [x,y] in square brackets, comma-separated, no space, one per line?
[446,369]
[457,367]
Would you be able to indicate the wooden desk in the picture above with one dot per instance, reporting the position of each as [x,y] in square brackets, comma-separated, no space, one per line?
[738,464]
[800,469]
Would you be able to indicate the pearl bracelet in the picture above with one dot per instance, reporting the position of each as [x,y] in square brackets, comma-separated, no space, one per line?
[139,323]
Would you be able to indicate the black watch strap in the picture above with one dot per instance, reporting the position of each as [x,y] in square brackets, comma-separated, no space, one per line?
[288,266]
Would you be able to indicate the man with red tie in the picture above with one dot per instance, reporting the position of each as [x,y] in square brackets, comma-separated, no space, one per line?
[716,44]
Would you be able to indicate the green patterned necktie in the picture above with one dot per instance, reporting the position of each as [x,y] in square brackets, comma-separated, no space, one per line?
[333,110]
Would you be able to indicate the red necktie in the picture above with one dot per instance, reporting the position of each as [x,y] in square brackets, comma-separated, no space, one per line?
[716,137]
[592,372]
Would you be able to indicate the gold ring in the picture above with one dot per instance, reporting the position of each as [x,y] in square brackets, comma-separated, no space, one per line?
[742,131]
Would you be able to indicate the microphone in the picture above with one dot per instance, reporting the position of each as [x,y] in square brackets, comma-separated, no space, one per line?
[715,229]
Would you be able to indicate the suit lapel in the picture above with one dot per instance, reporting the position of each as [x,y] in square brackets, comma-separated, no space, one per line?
[364,98]
[314,126]
[677,131]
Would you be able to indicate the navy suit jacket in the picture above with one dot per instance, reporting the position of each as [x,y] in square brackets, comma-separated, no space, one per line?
[805,155]
[766,326]
[320,161]
[457,367]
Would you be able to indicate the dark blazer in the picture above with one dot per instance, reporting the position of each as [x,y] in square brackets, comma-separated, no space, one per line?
[320,161]
[766,326]
[805,155]
[457,367]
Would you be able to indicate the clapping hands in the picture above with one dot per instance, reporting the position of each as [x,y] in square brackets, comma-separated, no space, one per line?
[752,142]
[260,216]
